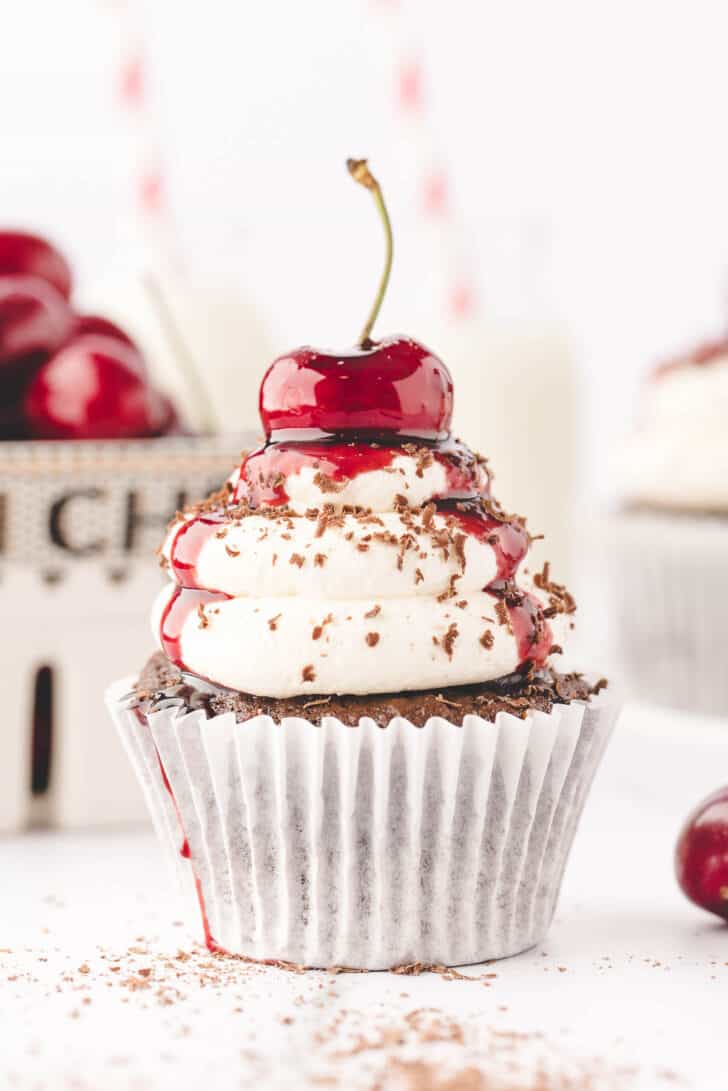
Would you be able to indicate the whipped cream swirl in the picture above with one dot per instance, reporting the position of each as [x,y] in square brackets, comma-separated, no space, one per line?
[354,568]
[677,457]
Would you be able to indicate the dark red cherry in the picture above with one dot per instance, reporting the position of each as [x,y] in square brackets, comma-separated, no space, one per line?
[34,318]
[22,254]
[93,323]
[95,388]
[396,385]
[701,856]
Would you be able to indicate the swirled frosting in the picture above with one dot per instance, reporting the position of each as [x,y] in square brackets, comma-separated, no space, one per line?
[677,458]
[355,567]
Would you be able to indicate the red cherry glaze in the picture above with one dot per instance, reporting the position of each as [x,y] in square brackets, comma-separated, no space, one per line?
[263,472]
[187,544]
[509,540]
[183,602]
[701,855]
[22,254]
[93,323]
[186,853]
[34,319]
[95,388]
[396,385]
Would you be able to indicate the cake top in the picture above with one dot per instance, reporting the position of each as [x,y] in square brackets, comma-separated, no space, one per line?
[359,550]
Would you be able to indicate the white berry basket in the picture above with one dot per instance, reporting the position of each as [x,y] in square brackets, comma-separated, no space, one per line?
[79,525]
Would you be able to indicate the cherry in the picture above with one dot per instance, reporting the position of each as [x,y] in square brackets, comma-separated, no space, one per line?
[34,318]
[93,323]
[701,855]
[27,255]
[34,321]
[395,385]
[95,388]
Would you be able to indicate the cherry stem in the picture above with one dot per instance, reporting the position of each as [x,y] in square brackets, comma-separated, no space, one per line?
[359,171]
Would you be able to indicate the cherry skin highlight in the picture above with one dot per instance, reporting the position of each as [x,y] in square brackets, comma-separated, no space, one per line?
[93,323]
[34,318]
[396,385]
[22,254]
[701,855]
[95,388]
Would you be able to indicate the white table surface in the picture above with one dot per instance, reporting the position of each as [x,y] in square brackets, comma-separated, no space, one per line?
[628,991]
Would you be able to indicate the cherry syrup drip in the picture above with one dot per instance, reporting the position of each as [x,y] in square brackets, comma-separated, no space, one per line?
[210,942]
[184,601]
[187,545]
[510,543]
[263,474]
[532,632]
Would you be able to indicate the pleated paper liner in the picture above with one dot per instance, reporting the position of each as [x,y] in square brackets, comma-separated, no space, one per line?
[367,847]
[669,575]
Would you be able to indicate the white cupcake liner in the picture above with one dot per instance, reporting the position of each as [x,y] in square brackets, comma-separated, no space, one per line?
[669,577]
[368,847]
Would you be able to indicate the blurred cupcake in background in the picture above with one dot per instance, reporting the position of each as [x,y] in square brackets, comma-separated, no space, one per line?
[669,556]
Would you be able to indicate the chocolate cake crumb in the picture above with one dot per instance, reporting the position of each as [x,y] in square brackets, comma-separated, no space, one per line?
[204,620]
[325,484]
[273,622]
[308,674]
[560,601]
[297,559]
[319,560]
[448,641]
[418,576]
[501,613]
[487,639]
[231,551]
[374,611]
[519,693]
[372,639]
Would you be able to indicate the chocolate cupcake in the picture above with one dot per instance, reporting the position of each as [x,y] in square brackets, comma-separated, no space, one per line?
[353,740]
[669,540]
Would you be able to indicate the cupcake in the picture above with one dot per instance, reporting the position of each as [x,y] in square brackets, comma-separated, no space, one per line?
[353,740]
[669,555]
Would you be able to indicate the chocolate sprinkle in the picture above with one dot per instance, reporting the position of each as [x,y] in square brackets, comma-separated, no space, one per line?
[517,694]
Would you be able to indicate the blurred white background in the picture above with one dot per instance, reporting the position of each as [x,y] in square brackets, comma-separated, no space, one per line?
[592,133]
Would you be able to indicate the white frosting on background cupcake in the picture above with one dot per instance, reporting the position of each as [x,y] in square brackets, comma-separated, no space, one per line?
[678,456]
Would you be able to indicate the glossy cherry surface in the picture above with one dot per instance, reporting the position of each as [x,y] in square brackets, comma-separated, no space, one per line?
[28,255]
[94,323]
[701,855]
[34,318]
[95,388]
[396,385]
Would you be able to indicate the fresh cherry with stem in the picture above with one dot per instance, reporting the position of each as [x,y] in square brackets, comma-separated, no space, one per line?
[393,386]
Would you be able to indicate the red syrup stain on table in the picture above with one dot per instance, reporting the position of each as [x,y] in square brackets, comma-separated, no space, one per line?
[187,544]
[263,474]
[183,602]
